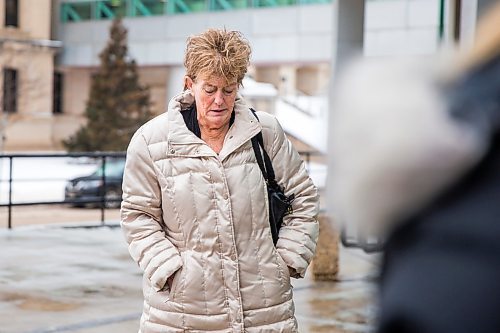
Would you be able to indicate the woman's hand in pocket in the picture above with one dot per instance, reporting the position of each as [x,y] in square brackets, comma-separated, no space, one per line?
[170,281]
[293,273]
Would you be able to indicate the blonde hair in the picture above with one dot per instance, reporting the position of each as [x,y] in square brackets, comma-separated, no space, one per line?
[217,52]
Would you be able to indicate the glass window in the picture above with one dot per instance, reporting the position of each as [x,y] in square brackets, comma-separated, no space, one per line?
[57,93]
[9,102]
[11,13]
[110,9]
[149,7]
[196,5]
[77,11]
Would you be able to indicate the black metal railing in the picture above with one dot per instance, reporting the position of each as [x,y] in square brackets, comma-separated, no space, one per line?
[101,158]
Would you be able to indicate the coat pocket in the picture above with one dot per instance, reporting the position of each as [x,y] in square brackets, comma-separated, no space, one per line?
[283,268]
[164,293]
[173,283]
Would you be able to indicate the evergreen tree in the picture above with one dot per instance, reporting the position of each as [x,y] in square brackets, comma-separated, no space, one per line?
[118,105]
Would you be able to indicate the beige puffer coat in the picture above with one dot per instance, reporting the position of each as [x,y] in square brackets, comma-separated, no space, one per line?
[203,218]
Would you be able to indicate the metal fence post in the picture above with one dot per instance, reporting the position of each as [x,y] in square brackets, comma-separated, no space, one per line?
[103,196]
[10,194]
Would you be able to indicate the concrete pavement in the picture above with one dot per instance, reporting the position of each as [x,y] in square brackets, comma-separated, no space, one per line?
[56,279]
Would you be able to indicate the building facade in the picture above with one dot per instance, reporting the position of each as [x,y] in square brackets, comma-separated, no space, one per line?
[292,43]
[27,64]
[291,40]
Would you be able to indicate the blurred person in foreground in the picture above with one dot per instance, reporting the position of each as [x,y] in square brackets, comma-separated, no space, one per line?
[417,162]
[195,207]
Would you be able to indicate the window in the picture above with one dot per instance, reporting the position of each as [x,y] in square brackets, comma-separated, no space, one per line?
[9,101]
[11,13]
[57,93]
[77,11]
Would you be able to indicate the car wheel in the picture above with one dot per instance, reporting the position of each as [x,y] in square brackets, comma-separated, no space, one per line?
[112,194]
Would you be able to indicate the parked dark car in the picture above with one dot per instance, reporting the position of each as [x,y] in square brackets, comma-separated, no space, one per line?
[90,188]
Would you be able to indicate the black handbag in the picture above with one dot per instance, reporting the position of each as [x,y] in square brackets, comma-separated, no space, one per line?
[279,204]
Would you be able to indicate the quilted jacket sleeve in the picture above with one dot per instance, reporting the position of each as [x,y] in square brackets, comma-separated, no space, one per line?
[299,232]
[141,216]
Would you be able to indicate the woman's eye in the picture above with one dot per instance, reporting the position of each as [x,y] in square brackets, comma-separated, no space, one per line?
[228,92]
[210,90]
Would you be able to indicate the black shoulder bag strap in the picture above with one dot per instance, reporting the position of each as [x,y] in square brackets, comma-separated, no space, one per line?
[279,204]
[265,164]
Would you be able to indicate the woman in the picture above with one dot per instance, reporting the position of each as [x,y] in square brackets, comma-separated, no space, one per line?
[195,211]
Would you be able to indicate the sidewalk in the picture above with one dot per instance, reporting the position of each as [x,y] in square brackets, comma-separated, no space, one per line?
[55,279]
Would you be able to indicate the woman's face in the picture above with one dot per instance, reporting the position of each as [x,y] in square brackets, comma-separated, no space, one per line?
[214,99]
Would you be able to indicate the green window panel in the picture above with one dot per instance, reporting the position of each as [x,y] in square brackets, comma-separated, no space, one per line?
[114,8]
[229,4]
[104,10]
[68,14]
[197,5]
[177,6]
[77,11]
[187,6]
[266,3]
[286,2]
[148,7]
[306,2]
[240,3]
[219,5]
[274,3]
[108,9]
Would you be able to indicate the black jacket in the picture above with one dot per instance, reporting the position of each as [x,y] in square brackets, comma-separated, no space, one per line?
[441,269]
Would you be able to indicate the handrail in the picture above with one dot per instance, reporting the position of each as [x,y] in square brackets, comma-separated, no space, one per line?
[101,199]
[90,154]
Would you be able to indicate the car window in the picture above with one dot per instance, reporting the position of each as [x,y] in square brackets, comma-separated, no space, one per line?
[113,169]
